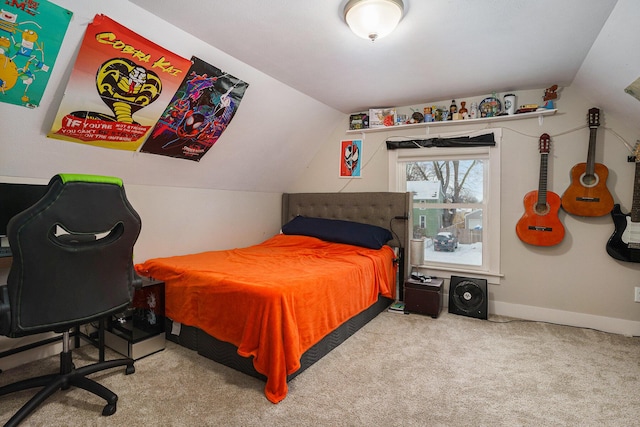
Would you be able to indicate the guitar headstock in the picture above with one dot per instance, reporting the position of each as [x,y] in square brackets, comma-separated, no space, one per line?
[544,144]
[636,152]
[594,117]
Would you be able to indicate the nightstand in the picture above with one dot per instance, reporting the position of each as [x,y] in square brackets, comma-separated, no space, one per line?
[139,330]
[423,297]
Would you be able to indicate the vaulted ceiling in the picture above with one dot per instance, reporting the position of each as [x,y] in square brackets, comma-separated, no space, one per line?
[441,49]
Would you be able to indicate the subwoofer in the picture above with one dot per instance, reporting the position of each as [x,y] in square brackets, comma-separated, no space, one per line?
[468,297]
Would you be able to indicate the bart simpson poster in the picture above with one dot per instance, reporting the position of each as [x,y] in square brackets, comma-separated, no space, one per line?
[31,33]
[119,86]
[198,114]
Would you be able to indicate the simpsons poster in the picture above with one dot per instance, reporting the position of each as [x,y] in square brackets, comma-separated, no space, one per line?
[198,114]
[31,34]
[119,86]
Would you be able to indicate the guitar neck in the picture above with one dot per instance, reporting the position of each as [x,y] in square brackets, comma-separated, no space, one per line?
[591,154]
[542,182]
[635,206]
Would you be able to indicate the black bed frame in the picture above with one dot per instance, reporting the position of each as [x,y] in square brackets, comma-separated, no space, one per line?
[227,354]
[385,209]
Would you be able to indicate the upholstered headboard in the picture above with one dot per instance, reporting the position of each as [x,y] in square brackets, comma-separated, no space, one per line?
[384,209]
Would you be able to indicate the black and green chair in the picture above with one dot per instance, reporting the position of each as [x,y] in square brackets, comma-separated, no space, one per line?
[72,265]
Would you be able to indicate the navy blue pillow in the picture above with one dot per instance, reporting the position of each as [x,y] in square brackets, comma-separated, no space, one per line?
[339,231]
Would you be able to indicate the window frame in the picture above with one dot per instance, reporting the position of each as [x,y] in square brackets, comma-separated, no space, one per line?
[490,267]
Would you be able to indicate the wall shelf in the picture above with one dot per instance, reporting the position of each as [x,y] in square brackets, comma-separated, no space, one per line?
[539,114]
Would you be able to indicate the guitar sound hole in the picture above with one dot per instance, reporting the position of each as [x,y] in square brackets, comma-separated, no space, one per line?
[541,209]
[589,180]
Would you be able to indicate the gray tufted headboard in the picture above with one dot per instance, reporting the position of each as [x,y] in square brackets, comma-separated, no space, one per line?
[384,209]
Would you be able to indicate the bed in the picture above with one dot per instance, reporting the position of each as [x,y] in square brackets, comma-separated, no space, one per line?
[273,309]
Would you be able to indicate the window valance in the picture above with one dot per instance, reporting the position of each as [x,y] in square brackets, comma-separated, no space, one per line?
[484,140]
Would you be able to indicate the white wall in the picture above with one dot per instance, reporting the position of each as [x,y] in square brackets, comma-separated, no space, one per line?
[274,123]
[231,198]
[575,282]
[281,140]
[186,220]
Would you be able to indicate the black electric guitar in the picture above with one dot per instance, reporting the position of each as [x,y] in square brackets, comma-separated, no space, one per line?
[624,243]
[588,194]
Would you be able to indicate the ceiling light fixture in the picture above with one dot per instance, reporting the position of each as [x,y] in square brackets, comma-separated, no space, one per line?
[373,19]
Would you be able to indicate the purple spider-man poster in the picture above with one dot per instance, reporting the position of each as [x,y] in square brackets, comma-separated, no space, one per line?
[199,112]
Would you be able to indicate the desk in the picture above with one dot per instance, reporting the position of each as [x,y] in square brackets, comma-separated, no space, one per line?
[139,330]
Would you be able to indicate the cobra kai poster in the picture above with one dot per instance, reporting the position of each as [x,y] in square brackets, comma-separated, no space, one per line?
[198,114]
[119,86]
[31,33]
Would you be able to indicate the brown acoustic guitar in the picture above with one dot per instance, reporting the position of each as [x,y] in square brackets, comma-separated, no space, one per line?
[540,225]
[588,194]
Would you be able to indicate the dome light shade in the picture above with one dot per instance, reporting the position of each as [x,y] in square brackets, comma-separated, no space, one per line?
[373,19]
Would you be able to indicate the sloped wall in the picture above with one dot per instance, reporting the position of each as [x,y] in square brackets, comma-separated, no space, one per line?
[230,198]
[268,143]
[575,282]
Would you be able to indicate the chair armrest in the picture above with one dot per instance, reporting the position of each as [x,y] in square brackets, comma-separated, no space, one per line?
[5,311]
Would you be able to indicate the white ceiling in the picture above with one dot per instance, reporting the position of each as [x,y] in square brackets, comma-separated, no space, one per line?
[442,48]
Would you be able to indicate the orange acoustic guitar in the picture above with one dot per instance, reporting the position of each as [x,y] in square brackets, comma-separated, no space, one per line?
[588,194]
[540,225]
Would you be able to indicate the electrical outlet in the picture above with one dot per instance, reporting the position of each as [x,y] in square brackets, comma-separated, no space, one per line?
[636,297]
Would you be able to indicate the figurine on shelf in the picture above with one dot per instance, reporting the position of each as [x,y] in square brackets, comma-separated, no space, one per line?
[549,95]
[464,113]
[416,117]
[428,116]
[453,108]
[495,105]
[401,119]
[473,114]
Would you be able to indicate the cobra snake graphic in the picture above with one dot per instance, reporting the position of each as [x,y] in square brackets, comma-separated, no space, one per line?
[126,87]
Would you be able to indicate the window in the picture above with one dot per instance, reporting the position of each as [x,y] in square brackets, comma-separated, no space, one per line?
[422,221]
[456,204]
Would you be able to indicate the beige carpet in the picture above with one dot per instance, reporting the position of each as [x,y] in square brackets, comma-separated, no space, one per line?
[399,370]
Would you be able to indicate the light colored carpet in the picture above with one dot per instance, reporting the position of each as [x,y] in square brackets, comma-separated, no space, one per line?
[399,370]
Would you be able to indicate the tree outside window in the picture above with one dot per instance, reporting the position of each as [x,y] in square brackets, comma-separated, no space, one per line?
[448,208]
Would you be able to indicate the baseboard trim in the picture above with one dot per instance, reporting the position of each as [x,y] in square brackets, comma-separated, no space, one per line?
[26,356]
[540,314]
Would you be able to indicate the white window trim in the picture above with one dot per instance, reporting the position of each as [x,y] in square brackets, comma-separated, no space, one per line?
[491,221]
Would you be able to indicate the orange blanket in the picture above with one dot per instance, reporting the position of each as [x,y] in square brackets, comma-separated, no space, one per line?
[276,299]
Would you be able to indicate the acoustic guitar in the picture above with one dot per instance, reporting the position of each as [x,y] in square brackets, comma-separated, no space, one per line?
[588,194]
[540,225]
[624,243]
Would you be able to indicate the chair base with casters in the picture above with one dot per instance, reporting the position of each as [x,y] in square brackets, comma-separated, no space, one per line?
[69,376]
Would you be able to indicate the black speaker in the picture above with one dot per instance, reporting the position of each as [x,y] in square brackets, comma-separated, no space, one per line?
[468,297]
